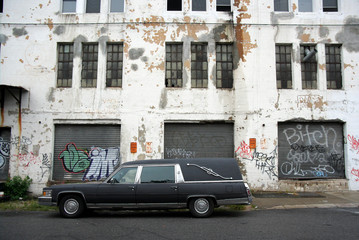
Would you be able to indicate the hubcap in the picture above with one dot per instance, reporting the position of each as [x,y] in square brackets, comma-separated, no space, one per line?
[71,206]
[201,205]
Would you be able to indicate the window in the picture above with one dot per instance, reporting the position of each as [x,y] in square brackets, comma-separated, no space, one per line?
[114,65]
[174,5]
[117,6]
[89,65]
[224,65]
[68,6]
[173,65]
[125,176]
[305,5]
[199,65]
[65,64]
[223,5]
[199,5]
[309,67]
[1,6]
[283,56]
[158,174]
[93,6]
[330,6]
[333,66]
[281,5]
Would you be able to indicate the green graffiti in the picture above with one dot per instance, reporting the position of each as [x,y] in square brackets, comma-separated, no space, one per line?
[73,159]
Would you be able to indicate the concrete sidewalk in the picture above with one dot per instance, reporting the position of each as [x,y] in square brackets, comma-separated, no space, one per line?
[277,200]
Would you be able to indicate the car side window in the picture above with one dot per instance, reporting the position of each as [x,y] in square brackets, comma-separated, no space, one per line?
[125,176]
[158,174]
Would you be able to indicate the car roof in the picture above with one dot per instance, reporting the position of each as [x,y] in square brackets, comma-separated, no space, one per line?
[181,161]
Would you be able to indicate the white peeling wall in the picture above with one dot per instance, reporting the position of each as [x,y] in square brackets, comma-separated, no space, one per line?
[29,37]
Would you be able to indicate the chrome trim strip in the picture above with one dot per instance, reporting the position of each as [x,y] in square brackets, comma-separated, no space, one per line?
[216,181]
[234,201]
[209,171]
[136,206]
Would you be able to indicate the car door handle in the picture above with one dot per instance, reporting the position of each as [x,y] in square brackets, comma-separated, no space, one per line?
[132,188]
[174,188]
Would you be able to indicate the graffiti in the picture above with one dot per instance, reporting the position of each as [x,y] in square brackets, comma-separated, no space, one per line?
[179,153]
[355,172]
[74,160]
[26,160]
[292,168]
[103,162]
[354,143]
[4,152]
[310,148]
[244,151]
[46,165]
[21,143]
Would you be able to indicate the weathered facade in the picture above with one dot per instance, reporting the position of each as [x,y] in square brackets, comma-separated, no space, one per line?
[86,86]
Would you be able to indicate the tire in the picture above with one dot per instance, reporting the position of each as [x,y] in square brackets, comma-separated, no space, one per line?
[71,206]
[201,207]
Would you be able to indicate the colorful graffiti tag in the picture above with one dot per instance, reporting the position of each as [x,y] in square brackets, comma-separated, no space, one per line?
[98,163]
[354,143]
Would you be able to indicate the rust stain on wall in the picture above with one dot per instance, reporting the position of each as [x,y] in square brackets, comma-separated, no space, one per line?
[294,7]
[322,66]
[191,29]
[50,23]
[305,37]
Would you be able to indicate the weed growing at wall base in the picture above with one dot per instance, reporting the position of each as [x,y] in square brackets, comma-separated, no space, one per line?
[16,188]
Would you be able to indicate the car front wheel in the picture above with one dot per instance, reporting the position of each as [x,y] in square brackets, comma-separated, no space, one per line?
[201,207]
[71,206]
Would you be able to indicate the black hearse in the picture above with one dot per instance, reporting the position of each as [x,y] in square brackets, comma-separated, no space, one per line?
[197,184]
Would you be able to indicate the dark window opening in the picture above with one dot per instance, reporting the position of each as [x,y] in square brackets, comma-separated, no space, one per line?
[283,55]
[89,65]
[158,174]
[333,66]
[114,65]
[281,5]
[1,6]
[65,64]
[309,67]
[330,6]
[224,65]
[93,6]
[223,5]
[174,65]
[199,5]
[174,5]
[199,65]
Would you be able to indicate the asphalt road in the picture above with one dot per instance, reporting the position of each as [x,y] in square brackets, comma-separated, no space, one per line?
[332,223]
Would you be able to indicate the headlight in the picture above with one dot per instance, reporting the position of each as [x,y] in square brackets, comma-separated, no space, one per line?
[46,193]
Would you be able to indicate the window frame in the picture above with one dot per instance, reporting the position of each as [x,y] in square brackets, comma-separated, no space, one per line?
[230,7]
[206,6]
[110,7]
[67,62]
[330,79]
[174,71]
[274,6]
[309,69]
[195,65]
[287,51]
[87,4]
[220,63]
[327,9]
[68,12]
[117,71]
[94,69]
[312,7]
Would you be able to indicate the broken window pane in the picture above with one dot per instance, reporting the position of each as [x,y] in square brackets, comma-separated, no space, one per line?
[65,64]
[309,66]
[224,65]
[173,65]
[89,65]
[333,66]
[283,66]
[199,65]
[114,65]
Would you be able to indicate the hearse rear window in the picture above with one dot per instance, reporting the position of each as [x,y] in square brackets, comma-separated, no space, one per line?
[158,174]
[125,175]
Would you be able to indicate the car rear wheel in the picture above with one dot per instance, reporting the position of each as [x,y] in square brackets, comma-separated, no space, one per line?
[71,206]
[201,207]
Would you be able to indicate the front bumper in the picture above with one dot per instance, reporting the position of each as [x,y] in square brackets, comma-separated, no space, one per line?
[46,201]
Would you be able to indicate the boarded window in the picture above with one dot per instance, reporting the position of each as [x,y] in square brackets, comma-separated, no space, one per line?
[5,143]
[305,5]
[283,55]
[224,65]
[199,65]
[68,6]
[174,65]
[117,6]
[333,66]
[199,5]
[281,5]
[174,5]
[191,140]
[65,64]
[89,65]
[93,6]
[309,66]
[85,152]
[114,65]
[223,5]
[330,6]
[310,150]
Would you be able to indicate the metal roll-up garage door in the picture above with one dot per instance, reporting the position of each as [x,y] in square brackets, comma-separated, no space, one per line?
[85,152]
[192,140]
